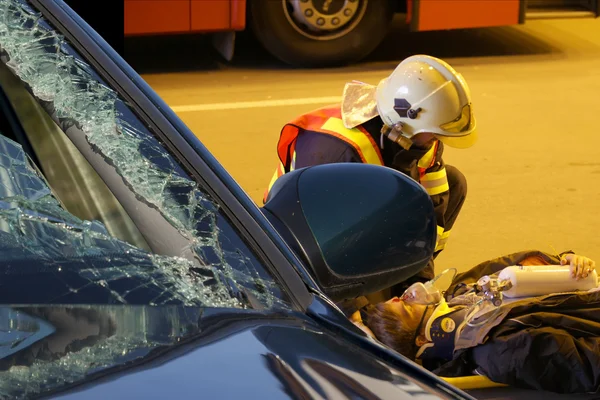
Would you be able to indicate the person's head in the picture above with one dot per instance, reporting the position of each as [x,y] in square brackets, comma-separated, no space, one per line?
[397,324]
[535,259]
[422,99]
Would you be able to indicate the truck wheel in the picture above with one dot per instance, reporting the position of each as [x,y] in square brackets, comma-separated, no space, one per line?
[320,33]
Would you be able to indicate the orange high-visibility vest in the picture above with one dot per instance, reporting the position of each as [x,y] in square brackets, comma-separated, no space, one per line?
[327,120]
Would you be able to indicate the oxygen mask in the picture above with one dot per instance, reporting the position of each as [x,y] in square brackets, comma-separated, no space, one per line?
[430,292]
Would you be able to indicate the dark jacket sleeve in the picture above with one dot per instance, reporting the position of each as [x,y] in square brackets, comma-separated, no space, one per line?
[406,161]
[440,201]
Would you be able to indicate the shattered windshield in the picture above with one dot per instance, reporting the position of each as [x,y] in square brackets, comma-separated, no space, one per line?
[183,228]
[51,256]
[96,213]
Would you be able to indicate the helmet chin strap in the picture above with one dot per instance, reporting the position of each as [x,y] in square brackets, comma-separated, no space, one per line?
[395,135]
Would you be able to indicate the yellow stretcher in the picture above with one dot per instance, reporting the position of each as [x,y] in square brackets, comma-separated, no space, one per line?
[473,382]
[483,388]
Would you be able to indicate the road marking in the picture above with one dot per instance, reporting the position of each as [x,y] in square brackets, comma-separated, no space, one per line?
[255,104]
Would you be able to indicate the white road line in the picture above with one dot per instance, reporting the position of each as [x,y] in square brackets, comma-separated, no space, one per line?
[255,104]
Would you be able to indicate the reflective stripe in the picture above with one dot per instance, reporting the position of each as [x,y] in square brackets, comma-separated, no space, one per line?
[440,232]
[278,172]
[435,182]
[276,175]
[367,151]
[293,166]
[442,238]
[427,159]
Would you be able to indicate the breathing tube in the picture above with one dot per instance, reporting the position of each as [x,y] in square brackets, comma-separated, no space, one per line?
[475,310]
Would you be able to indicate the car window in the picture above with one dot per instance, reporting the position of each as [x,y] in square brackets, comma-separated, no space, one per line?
[72,179]
[93,208]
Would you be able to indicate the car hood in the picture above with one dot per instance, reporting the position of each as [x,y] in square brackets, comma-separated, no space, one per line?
[179,352]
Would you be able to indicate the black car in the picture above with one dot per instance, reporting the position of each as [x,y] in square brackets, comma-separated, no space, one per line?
[133,266]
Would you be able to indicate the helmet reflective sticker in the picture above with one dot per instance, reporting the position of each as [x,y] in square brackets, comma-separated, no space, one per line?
[402,106]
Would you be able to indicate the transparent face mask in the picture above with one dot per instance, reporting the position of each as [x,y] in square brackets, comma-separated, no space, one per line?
[431,291]
[358,104]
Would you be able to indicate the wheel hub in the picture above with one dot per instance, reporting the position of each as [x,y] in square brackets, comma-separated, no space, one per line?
[327,7]
[324,15]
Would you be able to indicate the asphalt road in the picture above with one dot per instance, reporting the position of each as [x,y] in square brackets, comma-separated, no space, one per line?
[534,175]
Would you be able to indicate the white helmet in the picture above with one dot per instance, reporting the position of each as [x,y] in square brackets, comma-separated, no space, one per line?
[423,94]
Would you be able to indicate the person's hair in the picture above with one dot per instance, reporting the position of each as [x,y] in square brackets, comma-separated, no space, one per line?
[534,260]
[389,328]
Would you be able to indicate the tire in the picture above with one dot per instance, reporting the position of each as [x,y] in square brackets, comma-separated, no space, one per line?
[288,40]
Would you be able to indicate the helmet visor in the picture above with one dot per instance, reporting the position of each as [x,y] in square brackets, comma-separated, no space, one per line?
[460,133]
[463,124]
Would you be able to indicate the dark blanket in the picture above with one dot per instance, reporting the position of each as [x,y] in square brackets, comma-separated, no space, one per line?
[548,343]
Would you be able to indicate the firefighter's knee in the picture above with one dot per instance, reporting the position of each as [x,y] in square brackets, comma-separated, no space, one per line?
[457,182]
[457,187]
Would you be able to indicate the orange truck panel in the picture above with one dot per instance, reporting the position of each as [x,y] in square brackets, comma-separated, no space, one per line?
[238,14]
[218,15]
[210,15]
[157,16]
[180,16]
[427,15]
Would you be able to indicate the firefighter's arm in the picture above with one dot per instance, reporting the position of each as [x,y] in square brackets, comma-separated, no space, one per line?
[440,204]
[435,182]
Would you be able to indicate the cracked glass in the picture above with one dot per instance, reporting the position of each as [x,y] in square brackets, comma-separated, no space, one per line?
[96,213]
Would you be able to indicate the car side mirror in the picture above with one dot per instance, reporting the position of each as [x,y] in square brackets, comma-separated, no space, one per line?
[359,228]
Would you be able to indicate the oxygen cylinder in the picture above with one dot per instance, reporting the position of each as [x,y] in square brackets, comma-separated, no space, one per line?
[538,280]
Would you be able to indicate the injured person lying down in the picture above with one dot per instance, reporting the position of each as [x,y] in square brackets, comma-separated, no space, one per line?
[529,319]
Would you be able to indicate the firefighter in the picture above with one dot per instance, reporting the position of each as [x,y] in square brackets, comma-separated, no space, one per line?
[402,123]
